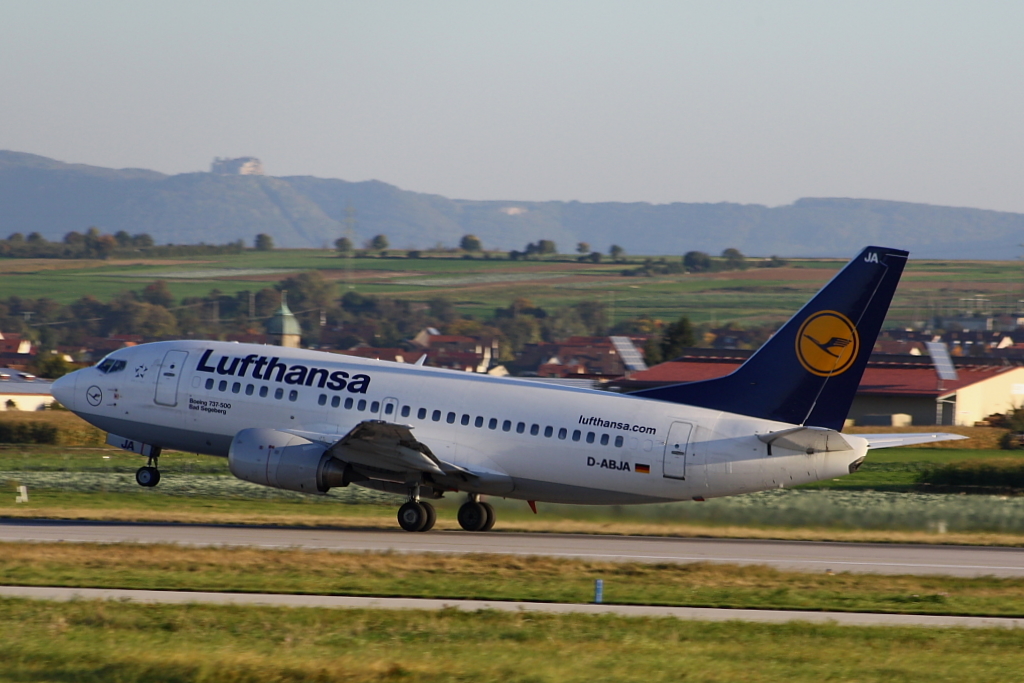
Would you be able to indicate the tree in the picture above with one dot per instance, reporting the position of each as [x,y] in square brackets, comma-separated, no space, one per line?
[595,257]
[582,248]
[343,245]
[264,242]
[676,337]
[379,242]
[470,243]
[616,252]
[652,351]
[734,260]
[123,239]
[697,261]
[158,294]
[308,290]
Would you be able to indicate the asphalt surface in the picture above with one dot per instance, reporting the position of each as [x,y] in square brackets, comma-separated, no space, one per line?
[343,602]
[876,558]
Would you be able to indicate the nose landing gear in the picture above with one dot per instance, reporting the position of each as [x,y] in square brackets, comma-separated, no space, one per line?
[149,476]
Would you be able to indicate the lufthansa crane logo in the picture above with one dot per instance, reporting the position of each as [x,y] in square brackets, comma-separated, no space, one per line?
[827,344]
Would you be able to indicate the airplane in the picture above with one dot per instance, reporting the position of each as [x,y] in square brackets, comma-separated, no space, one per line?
[310,421]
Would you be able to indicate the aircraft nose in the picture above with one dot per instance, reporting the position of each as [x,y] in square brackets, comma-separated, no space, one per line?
[63,390]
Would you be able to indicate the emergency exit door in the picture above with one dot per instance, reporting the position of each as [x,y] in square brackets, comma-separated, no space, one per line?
[169,376]
[677,446]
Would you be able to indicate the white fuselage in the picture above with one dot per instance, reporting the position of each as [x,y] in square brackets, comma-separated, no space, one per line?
[539,441]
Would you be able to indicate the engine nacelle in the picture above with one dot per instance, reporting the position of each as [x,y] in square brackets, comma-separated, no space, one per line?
[274,458]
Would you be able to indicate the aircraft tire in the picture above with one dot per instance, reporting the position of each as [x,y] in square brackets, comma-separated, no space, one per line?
[412,516]
[491,518]
[431,516]
[472,516]
[147,476]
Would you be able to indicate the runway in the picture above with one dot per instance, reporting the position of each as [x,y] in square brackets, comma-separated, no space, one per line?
[965,561]
[344,602]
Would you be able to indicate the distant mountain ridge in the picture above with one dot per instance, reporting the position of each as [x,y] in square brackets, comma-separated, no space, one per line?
[42,195]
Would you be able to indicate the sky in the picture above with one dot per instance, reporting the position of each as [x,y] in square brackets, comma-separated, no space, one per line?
[751,102]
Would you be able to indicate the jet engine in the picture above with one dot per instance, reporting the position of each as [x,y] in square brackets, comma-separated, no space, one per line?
[274,458]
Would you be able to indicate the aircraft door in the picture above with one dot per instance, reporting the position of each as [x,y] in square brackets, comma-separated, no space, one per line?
[676,450]
[389,410]
[169,376]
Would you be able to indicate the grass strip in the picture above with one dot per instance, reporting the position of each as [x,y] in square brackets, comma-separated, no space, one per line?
[499,577]
[102,641]
[149,507]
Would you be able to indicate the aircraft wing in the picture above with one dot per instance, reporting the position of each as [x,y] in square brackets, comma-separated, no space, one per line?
[891,440]
[384,445]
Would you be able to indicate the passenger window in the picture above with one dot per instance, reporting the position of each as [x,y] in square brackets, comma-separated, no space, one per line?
[279,393]
[548,431]
[322,400]
[590,437]
[604,439]
[618,441]
[451,418]
[436,416]
[249,389]
[493,423]
[576,434]
[421,414]
[293,395]
[236,387]
[223,386]
[263,392]
[534,430]
[520,427]
[335,401]
[375,406]
[506,426]
[209,384]
[389,408]
[562,433]
[348,403]
[361,405]
[465,420]
[406,410]
[479,422]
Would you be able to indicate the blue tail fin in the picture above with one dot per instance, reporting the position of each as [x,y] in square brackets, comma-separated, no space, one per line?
[808,372]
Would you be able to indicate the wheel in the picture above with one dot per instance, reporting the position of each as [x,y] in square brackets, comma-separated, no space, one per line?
[431,516]
[412,516]
[491,519]
[472,516]
[147,476]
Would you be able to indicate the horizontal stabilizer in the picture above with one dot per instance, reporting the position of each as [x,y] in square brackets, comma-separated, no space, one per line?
[807,439]
[891,440]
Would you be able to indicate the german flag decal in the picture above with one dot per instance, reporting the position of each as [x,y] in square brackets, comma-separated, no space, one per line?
[642,469]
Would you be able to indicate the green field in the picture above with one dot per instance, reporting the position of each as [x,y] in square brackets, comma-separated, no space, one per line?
[90,641]
[477,286]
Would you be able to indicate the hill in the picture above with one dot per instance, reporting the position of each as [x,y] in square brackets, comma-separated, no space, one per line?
[42,195]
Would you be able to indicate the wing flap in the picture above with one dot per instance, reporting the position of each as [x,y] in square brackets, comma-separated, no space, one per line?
[384,445]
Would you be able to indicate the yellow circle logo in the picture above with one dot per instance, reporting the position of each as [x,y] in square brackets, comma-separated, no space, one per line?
[827,343]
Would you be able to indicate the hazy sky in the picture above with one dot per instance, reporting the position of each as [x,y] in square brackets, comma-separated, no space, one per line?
[758,102]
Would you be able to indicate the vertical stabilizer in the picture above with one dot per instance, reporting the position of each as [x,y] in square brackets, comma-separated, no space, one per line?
[808,372]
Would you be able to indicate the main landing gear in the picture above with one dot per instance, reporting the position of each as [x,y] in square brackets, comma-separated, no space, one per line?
[416,515]
[149,476]
[475,515]
[419,515]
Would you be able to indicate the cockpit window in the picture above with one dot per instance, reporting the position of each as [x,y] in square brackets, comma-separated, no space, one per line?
[109,365]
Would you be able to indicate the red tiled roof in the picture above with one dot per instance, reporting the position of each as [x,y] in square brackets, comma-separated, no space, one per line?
[880,380]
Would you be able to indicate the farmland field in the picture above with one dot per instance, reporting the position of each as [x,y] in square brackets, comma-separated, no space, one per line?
[478,285]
